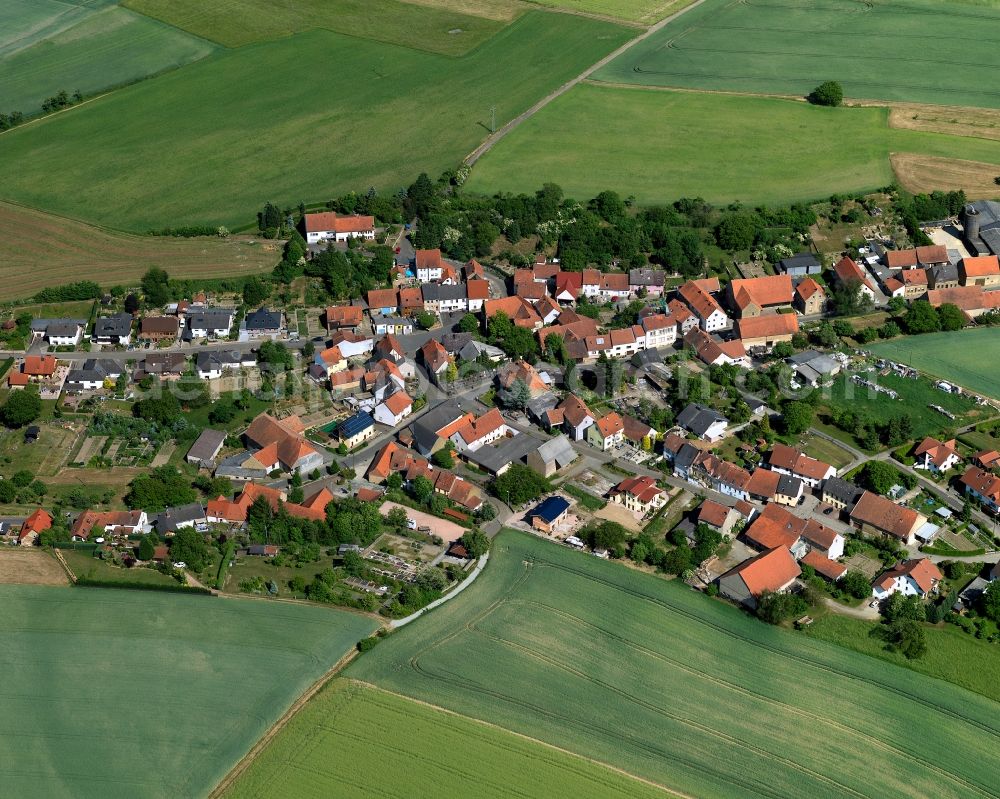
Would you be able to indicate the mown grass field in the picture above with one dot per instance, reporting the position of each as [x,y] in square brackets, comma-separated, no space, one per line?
[965,357]
[141,694]
[877,50]
[38,250]
[322,114]
[241,22]
[108,48]
[642,11]
[355,740]
[660,145]
[648,676]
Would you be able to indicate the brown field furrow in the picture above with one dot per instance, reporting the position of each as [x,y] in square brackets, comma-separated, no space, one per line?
[38,250]
[926,173]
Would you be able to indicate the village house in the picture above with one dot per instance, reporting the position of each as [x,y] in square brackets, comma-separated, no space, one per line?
[470,433]
[840,494]
[705,423]
[208,323]
[281,444]
[876,515]
[429,265]
[983,487]
[352,345]
[917,577]
[37,522]
[158,328]
[94,374]
[659,330]
[330,226]
[34,369]
[717,516]
[59,332]
[393,459]
[914,283]
[123,523]
[943,277]
[264,322]
[848,273]
[650,281]
[477,292]
[936,456]
[973,300]
[763,332]
[774,571]
[810,298]
[703,305]
[573,415]
[917,257]
[751,297]
[548,514]
[569,286]
[441,298]
[213,365]
[392,410]
[788,460]
[114,330]
[355,430]
[383,301]
[436,360]
[607,432]
[521,312]
[343,317]
[714,352]
[640,495]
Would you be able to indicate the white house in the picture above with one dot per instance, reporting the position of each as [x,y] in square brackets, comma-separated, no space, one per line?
[936,456]
[444,298]
[208,323]
[212,365]
[330,226]
[710,315]
[352,345]
[474,434]
[393,409]
[640,495]
[429,265]
[574,416]
[61,333]
[607,432]
[660,331]
[917,577]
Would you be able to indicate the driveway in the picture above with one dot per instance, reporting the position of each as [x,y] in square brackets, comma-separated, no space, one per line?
[863,612]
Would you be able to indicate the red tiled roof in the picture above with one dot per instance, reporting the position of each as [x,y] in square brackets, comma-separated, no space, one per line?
[938,451]
[39,365]
[766,326]
[398,402]
[477,289]
[981,266]
[808,287]
[921,570]
[713,513]
[885,515]
[798,463]
[382,298]
[343,315]
[644,489]
[762,291]
[823,565]
[847,270]
[610,424]
[699,300]
[330,221]
[769,571]
[984,483]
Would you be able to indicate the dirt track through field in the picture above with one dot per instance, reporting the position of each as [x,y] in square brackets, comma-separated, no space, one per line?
[490,142]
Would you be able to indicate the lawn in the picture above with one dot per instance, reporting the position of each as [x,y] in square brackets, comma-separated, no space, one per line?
[915,397]
[824,450]
[648,676]
[661,145]
[355,740]
[303,118]
[958,357]
[241,22]
[951,654]
[144,694]
[109,48]
[877,50]
[83,564]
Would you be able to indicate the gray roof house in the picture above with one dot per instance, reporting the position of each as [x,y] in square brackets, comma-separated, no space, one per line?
[208,323]
[207,447]
[179,517]
[703,422]
[805,263]
[262,322]
[555,454]
[113,329]
[92,375]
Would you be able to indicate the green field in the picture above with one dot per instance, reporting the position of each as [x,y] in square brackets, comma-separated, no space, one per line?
[141,694]
[962,357]
[25,22]
[644,11]
[877,50]
[646,675]
[915,397]
[241,22]
[356,740]
[322,114]
[660,145]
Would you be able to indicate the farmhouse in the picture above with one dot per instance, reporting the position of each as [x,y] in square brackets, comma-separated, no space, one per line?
[393,459]
[848,273]
[917,577]
[983,270]
[919,257]
[329,226]
[774,570]
[763,332]
[914,283]
[875,515]
[38,522]
[548,514]
[118,522]
[703,305]
[753,296]
[982,227]
[206,448]
[810,297]
[280,443]
[936,456]
[974,300]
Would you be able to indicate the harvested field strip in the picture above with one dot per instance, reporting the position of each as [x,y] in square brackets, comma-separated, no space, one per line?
[339,725]
[77,251]
[642,673]
[927,173]
[955,121]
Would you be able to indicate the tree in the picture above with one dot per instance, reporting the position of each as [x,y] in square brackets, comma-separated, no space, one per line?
[607,535]
[146,548]
[22,478]
[951,317]
[737,231]
[774,608]
[991,601]
[848,299]
[8,491]
[796,417]
[907,637]
[189,546]
[829,93]
[856,584]
[426,319]
[677,560]
[444,458]
[475,542]
[394,481]
[555,348]
[255,291]
[421,488]
[397,518]
[155,287]
[162,488]
[878,476]
[922,318]
[517,396]
[131,303]
[22,407]
[163,410]
[519,485]
[469,323]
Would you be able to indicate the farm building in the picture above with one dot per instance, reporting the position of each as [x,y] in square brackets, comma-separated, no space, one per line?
[805,263]
[330,226]
[774,570]
[876,515]
[207,447]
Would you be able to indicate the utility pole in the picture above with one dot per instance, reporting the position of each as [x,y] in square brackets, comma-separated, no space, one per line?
[493,119]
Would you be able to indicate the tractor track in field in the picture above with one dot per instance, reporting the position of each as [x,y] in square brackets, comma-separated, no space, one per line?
[499,134]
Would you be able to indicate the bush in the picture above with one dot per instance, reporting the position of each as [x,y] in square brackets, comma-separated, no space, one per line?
[829,93]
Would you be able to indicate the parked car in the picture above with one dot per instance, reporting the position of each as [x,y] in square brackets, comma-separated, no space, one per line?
[180,564]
